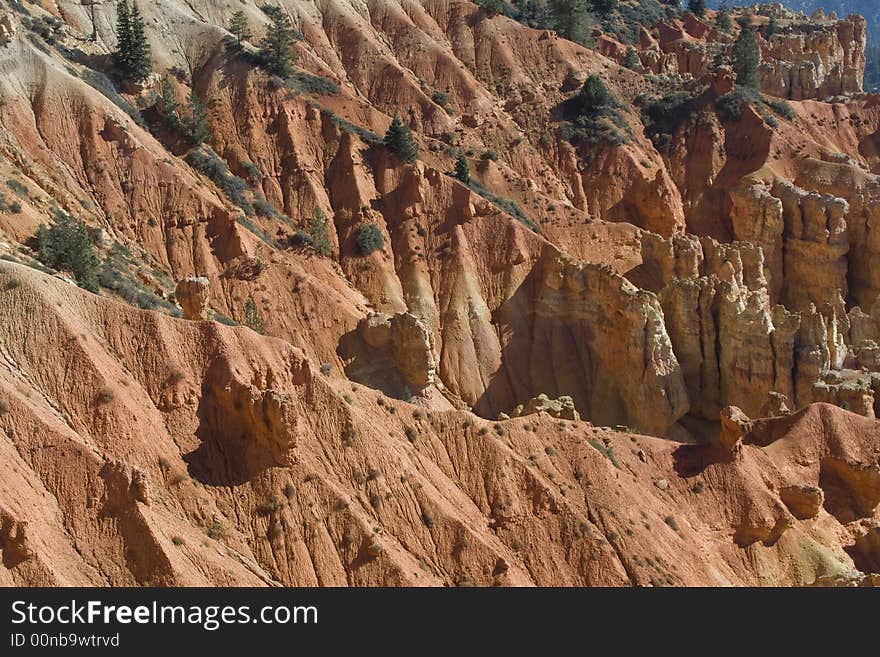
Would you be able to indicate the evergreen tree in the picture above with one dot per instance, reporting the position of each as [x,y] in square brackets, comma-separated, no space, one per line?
[571,20]
[747,59]
[319,232]
[168,105]
[722,21]
[399,140]
[252,318]
[239,27]
[140,61]
[594,96]
[772,27]
[123,36]
[697,7]
[494,7]
[462,170]
[67,246]
[603,7]
[533,13]
[631,59]
[132,54]
[276,48]
[195,121]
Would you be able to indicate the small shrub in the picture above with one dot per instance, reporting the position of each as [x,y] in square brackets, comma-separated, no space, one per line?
[326,368]
[105,395]
[732,105]
[319,233]
[67,246]
[206,161]
[368,239]
[672,522]
[177,540]
[663,116]
[462,170]
[410,433]
[631,59]
[16,186]
[306,83]
[289,491]
[216,531]
[781,107]
[441,98]
[252,318]
[268,506]
[489,155]
[428,519]
[4,407]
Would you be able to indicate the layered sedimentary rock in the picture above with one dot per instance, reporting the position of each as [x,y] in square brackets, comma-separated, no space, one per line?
[193,295]
[599,325]
[815,246]
[803,59]
[815,60]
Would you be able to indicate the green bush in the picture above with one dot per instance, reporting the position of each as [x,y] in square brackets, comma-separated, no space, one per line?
[17,187]
[597,117]
[663,116]
[368,239]
[399,140]
[205,160]
[276,49]
[506,205]
[67,246]
[781,107]
[631,59]
[306,83]
[441,98]
[732,105]
[319,233]
[495,8]
[252,318]
[462,171]
[115,276]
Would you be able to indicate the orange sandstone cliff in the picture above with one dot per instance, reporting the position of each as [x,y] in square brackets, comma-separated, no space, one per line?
[647,359]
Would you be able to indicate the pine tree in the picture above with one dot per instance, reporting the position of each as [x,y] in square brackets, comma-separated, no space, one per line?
[494,7]
[631,59]
[195,122]
[399,140]
[132,54]
[772,26]
[123,36]
[319,232]
[594,96]
[252,318]
[462,170]
[239,27]
[571,20]
[168,105]
[276,48]
[722,21]
[747,59]
[67,246]
[697,7]
[603,7]
[141,62]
